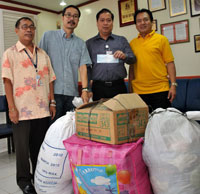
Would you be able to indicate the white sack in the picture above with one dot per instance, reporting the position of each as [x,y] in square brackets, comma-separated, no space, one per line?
[77,101]
[53,174]
[172,152]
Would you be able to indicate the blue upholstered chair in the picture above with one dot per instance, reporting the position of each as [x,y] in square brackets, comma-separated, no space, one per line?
[181,95]
[6,130]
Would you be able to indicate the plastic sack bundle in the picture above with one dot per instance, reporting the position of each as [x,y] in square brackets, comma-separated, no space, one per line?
[107,169]
[172,151]
[53,175]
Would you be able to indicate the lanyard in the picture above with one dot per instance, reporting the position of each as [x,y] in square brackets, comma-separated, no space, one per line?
[34,64]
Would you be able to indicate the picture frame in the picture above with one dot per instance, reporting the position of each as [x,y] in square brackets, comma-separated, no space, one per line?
[197,43]
[58,25]
[176,32]
[154,26]
[127,9]
[156,5]
[194,7]
[177,7]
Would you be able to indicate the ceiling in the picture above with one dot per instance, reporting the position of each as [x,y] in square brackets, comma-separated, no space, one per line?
[53,5]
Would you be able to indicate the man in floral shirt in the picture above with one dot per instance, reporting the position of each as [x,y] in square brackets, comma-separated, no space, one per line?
[28,79]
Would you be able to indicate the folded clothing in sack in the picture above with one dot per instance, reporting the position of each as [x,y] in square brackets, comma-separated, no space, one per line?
[53,174]
[172,151]
[107,169]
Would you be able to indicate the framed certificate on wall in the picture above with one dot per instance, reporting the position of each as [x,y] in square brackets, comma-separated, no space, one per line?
[127,9]
[195,7]
[197,43]
[177,7]
[176,32]
[154,26]
[156,5]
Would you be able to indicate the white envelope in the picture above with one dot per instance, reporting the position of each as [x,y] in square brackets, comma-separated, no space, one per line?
[102,58]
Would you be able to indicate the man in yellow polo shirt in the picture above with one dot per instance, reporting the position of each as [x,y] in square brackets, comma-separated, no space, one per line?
[149,76]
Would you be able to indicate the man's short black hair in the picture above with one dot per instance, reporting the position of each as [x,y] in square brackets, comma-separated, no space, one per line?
[73,6]
[22,18]
[104,10]
[142,11]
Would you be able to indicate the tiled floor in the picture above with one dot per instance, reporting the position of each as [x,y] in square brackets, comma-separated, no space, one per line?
[7,174]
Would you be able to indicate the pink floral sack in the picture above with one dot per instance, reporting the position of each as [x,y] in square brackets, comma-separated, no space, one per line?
[99,168]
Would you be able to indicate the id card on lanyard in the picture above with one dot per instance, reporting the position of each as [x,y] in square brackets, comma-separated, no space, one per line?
[38,77]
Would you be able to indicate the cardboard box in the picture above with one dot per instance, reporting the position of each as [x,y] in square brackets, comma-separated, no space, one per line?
[118,120]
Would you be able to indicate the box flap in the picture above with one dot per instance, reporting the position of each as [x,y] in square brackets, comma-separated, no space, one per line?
[90,104]
[125,101]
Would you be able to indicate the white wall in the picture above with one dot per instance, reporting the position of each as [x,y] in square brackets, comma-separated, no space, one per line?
[186,60]
[46,21]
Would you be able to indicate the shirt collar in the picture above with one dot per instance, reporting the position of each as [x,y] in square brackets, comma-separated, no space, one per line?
[63,33]
[110,36]
[21,47]
[148,35]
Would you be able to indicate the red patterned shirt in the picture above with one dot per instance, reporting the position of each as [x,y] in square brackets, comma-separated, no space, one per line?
[30,88]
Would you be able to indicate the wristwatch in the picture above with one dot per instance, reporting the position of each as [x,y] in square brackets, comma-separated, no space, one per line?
[85,89]
[174,84]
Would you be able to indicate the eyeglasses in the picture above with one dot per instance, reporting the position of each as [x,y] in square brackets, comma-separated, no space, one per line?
[68,15]
[25,27]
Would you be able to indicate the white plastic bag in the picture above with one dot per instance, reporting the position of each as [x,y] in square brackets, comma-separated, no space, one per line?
[172,152]
[53,174]
[77,101]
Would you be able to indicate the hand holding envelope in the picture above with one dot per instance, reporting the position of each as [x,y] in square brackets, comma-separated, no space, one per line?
[119,55]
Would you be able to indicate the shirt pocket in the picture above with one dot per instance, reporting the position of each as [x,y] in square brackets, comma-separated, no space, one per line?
[75,58]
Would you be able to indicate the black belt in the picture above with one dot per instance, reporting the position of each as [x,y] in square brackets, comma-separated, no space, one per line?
[108,83]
